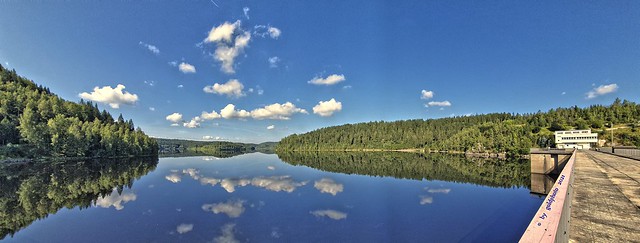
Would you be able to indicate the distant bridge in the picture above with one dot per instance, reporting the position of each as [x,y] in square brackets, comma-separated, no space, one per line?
[596,197]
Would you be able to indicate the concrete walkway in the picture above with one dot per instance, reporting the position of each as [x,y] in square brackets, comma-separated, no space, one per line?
[606,200]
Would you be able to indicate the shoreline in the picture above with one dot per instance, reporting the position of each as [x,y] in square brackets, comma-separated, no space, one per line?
[10,161]
[499,155]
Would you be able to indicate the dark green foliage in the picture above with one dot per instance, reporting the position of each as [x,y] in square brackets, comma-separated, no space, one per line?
[581,124]
[221,149]
[595,123]
[417,166]
[45,125]
[625,137]
[557,126]
[31,191]
[513,134]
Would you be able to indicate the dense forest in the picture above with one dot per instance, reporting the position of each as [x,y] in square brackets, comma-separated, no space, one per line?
[418,166]
[29,192]
[499,132]
[35,122]
[221,149]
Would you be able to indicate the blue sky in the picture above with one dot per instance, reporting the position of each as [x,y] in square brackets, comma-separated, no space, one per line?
[354,61]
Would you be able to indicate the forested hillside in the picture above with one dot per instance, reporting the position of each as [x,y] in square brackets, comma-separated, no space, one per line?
[499,132]
[35,122]
[217,148]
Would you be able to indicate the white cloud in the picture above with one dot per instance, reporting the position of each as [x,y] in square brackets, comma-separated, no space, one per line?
[264,31]
[227,54]
[210,116]
[232,88]
[274,32]
[223,32]
[277,111]
[245,10]
[271,127]
[602,90]
[329,80]
[113,97]
[439,103]
[227,235]
[327,185]
[563,93]
[175,125]
[226,51]
[150,83]
[153,49]
[426,200]
[332,214]
[186,68]
[327,108]
[180,86]
[175,178]
[207,137]
[258,90]
[173,63]
[347,87]
[426,94]
[174,118]
[184,228]
[273,62]
[194,123]
[115,200]
[277,183]
[230,112]
[232,208]
[271,167]
[152,108]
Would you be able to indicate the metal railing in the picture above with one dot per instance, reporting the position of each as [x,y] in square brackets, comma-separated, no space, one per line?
[627,151]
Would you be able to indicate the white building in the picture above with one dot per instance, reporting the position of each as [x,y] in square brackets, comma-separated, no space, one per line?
[580,139]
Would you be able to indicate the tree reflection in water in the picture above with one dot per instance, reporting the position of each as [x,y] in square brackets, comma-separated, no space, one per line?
[445,167]
[34,190]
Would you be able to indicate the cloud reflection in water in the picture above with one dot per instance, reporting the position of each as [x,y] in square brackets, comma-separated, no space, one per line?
[332,214]
[272,183]
[277,183]
[230,184]
[327,185]
[115,199]
[427,199]
[442,190]
[175,178]
[184,228]
[228,235]
[232,208]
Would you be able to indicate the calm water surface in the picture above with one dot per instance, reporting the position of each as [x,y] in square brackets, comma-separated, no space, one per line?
[259,198]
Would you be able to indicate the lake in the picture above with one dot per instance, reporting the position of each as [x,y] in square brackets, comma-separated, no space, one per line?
[293,197]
